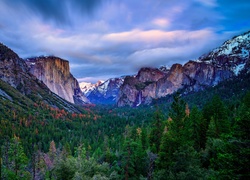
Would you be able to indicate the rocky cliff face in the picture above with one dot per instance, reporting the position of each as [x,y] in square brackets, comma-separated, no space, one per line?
[12,68]
[15,72]
[222,63]
[106,92]
[55,73]
[139,89]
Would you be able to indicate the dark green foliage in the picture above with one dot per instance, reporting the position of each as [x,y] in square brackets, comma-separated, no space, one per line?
[156,132]
[185,164]
[197,128]
[65,169]
[15,161]
[175,133]
[105,142]
[216,117]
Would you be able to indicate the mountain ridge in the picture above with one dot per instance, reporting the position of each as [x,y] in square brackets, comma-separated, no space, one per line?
[208,70]
[149,83]
[106,92]
[19,86]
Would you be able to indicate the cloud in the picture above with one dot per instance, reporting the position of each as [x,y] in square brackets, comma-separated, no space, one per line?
[58,12]
[179,47]
[161,22]
[109,38]
[211,3]
[156,36]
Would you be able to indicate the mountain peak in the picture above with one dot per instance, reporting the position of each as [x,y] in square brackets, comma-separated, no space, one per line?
[7,53]
[106,92]
[237,46]
[88,87]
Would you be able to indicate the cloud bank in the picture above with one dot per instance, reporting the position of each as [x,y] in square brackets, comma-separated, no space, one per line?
[110,38]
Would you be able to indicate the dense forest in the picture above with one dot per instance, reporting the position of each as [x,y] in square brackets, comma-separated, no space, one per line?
[200,136]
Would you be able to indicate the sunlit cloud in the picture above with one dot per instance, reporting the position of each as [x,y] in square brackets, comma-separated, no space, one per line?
[161,22]
[156,36]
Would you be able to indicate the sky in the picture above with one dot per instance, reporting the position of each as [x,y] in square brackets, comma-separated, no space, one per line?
[111,38]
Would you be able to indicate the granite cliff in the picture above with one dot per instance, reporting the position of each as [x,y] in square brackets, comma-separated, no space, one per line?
[22,88]
[55,73]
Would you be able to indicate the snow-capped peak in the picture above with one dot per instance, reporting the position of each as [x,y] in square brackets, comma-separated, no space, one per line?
[88,87]
[231,55]
[237,46]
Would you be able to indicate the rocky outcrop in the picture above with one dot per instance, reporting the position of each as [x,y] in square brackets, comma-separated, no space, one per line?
[106,92]
[12,68]
[15,72]
[210,69]
[193,76]
[55,73]
[140,89]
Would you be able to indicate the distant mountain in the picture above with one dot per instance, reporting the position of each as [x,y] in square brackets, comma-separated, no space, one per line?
[21,88]
[87,88]
[106,92]
[218,65]
[54,72]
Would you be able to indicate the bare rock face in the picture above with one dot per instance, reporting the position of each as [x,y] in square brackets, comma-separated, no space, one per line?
[152,83]
[55,73]
[12,68]
[171,82]
[140,89]
[15,72]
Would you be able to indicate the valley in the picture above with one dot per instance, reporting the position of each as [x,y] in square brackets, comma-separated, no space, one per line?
[189,121]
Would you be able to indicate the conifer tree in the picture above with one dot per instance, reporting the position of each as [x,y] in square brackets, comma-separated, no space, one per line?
[174,133]
[216,109]
[156,132]
[17,161]
[198,130]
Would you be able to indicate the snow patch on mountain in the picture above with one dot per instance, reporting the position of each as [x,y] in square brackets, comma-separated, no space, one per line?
[245,52]
[238,68]
[237,46]
[87,87]
[104,87]
[106,92]
[232,55]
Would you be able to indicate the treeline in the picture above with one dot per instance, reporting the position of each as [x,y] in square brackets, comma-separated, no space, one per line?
[211,142]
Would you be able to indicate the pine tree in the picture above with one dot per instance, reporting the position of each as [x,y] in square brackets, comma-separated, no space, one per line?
[156,132]
[216,109]
[174,134]
[177,117]
[17,161]
[198,130]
